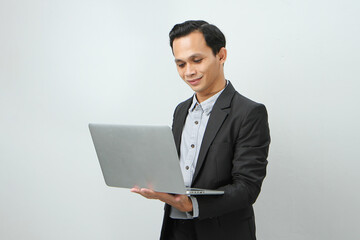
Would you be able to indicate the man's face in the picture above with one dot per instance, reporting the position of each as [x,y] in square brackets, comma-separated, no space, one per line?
[198,66]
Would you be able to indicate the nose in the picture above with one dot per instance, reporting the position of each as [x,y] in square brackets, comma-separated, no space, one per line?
[190,71]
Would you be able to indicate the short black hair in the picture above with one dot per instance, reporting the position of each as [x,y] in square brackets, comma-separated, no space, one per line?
[214,38]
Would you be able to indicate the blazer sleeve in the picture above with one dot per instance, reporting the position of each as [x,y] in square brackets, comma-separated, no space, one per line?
[248,167]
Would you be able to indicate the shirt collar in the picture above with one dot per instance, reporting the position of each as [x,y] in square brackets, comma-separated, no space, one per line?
[206,105]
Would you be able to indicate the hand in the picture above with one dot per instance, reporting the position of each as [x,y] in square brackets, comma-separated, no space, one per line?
[179,201]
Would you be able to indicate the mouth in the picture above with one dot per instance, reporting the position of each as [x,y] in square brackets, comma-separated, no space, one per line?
[194,81]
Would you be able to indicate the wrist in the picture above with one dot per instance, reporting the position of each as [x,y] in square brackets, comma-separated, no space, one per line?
[190,206]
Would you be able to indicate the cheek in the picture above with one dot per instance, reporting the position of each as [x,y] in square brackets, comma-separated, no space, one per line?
[205,68]
[210,70]
[180,72]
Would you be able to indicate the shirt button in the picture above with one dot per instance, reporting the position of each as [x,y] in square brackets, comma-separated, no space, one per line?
[187,167]
[192,145]
[196,122]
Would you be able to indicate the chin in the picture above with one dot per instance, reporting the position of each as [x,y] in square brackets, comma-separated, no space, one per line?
[196,88]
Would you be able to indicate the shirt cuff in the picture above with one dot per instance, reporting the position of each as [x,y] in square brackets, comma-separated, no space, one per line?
[195,211]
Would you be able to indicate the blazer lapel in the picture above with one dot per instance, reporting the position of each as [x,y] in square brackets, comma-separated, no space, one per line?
[217,117]
[179,122]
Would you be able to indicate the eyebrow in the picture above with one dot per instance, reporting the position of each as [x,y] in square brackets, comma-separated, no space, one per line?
[191,57]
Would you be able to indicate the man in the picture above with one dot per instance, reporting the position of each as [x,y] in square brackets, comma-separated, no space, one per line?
[222,139]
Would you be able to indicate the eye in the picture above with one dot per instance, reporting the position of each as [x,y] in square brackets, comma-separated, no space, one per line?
[181,65]
[198,60]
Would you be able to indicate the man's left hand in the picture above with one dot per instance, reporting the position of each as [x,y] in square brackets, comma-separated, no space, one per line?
[179,201]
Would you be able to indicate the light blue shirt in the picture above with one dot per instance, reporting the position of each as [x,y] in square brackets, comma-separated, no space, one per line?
[191,139]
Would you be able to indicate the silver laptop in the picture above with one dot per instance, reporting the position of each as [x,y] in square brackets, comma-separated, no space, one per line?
[142,156]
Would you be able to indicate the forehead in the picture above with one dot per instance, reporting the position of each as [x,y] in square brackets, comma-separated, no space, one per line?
[189,45]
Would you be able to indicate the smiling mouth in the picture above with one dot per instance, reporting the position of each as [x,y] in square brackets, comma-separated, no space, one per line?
[194,81]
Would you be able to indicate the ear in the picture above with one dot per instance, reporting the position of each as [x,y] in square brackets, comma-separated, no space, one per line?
[222,55]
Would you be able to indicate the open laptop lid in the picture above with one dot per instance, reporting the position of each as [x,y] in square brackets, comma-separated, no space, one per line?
[143,156]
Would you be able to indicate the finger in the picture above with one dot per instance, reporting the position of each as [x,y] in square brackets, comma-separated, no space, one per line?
[135,190]
[148,193]
[141,192]
[165,197]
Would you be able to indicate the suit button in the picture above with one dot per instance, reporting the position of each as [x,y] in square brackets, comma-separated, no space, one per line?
[187,167]
[192,145]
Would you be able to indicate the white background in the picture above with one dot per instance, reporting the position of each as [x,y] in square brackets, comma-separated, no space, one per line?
[64,64]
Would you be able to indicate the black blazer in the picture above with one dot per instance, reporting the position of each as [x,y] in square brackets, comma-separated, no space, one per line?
[232,158]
